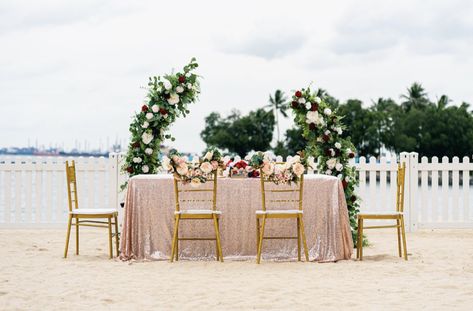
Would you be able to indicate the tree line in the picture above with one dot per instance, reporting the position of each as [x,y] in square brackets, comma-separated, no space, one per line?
[415,123]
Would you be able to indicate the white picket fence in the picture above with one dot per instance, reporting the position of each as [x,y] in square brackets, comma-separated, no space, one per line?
[33,190]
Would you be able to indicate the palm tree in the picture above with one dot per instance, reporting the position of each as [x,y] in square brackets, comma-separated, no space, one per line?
[416,97]
[278,104]
[442,102]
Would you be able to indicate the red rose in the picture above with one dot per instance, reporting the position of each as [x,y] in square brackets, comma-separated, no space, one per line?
[167,96]
[353,198]
[312,126]
[344,184]
[351,155]
[136,144]
[325,138]
[163,111]
[129,169]
[298,94]
[337,152]
[182,79]
[328,153]
[314,107]
[144,108]
[254,174]
[294,104]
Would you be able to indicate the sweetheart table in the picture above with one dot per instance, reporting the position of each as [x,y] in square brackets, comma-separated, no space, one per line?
[149,218]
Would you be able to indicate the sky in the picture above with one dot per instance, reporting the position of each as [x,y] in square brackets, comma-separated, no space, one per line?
[72,71]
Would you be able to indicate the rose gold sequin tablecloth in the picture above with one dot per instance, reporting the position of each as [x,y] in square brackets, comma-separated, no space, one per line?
[149,217]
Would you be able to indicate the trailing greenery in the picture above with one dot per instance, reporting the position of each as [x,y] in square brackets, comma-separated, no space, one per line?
[167,99]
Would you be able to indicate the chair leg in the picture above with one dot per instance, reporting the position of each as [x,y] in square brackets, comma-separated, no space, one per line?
[176,251]
[116,235]
[217,236]
[298,239]
[174,238]
[399,237]
[260,244]
[110,244]
[360,237]
[68,235]
[257,233]
[358,243]
[404,237]
[304,240]
[77,235]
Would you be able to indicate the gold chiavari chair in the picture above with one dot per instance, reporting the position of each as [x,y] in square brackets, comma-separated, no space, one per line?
[88,214]
[196,214]
[264,214]
[398,216]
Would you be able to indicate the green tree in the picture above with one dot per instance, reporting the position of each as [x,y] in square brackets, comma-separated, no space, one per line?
[416,97]
[239,134]
[278,104]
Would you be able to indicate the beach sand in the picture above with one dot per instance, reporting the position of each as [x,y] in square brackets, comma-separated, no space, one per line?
[34,276]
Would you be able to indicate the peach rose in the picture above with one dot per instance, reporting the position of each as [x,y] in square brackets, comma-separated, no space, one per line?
[298,169]
[182,169]
[206,167]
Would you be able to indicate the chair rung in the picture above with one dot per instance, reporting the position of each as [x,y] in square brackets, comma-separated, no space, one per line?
[197,190]
[378,227]
[280,238]
[283,190]
[196,239]
[283,200]
[191,200]
[91,225]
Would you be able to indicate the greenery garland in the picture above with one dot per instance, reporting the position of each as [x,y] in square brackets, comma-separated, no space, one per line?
[323,128]
[167,99]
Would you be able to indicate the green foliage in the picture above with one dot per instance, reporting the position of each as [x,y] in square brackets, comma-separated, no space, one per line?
[239,134]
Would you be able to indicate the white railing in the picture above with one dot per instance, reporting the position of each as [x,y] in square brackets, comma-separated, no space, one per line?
[33,190]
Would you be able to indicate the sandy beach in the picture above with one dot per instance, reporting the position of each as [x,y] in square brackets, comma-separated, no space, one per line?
[34,276]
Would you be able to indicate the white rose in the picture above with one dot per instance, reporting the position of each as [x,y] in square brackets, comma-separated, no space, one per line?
[301,100]
[149,116]
[155,108]
[298,169]
[209,155]
[189,86]
[137,160]
[149,151]
[314,117]
[331,163]
[145,125]
[327,111]
[173,99]
[328,172]
[339,167]
[339,130]
[167,85]
[179,89]
[311,162]
[332,152]
[147,137]
[317,100]
[296,159]
[188,74]
[327,132]
[308,106]
[206,167]
[166,164]
[338,145]
[145,169]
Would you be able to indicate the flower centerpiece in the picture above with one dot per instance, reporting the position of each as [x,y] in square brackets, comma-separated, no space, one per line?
[280,173]
[196,172]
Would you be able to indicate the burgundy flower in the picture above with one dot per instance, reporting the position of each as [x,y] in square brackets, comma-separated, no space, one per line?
[129,169]
[314,107]
[312,126]
[328,153]
[344,184]
[326,138]
[337,152]
[351,155]
[298,94]
[182,79]
[167,96]
[163,111]
[144,108]
[136,144]
[294,104]
[353,198]
[334,119]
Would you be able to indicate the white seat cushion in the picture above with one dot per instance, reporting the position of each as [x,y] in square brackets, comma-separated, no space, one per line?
[382,213]
[282,211]
[93,211]
[198,212]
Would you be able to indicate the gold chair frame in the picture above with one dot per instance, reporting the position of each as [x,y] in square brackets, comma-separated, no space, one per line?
[89,219]
[179,215]
[398,216]
[281,214]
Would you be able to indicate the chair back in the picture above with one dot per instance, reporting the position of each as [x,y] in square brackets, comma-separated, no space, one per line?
[401,172]
[284,193]
[71,185]
[182,192]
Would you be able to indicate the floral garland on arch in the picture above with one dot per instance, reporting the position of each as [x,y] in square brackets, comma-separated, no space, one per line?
[278,173]
[167,99]
[322,128]
[196,172]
